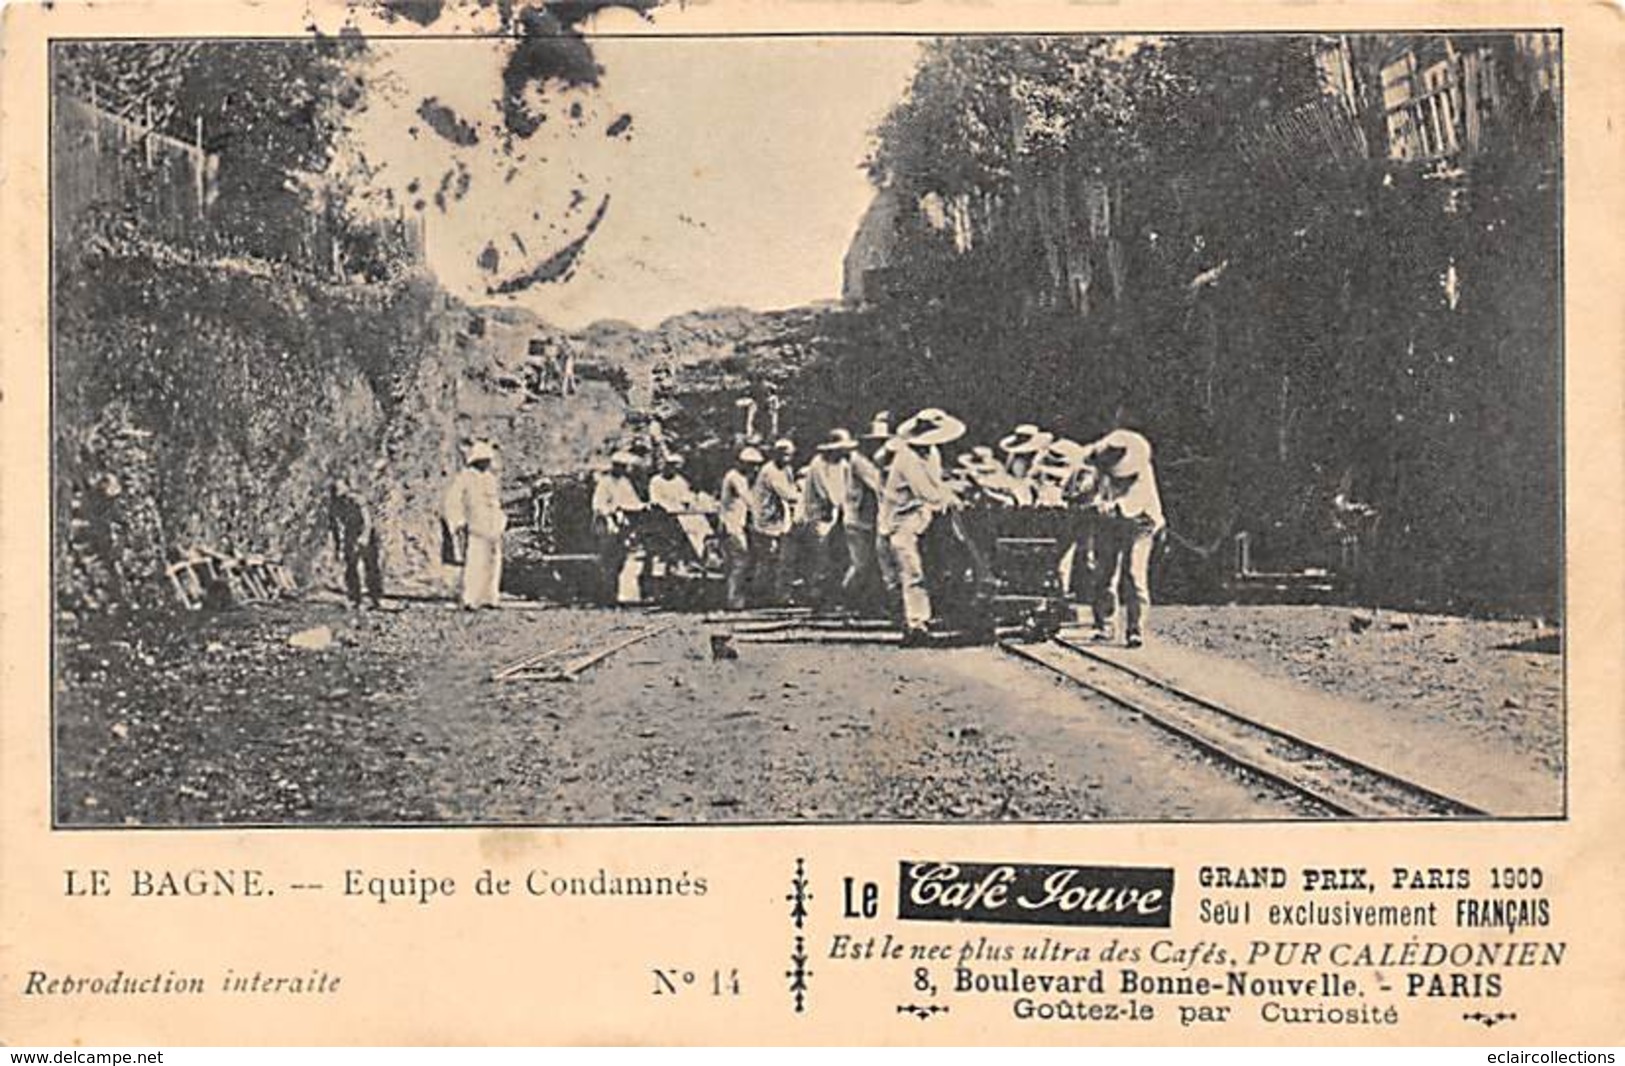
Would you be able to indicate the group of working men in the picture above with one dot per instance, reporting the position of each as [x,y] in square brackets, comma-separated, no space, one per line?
[779,525]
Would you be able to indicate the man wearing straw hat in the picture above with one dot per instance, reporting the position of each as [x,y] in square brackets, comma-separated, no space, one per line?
[913,495]
[828,477]
[1064,483]
[473,512]
[985,478]
[1055,471]
[1131,517]
[1021,449]
[859,511]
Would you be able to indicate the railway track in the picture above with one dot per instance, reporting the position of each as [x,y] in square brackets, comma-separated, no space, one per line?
[1340,784]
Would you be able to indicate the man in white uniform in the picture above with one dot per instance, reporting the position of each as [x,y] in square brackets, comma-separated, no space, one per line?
[734,500]
[823,508]
[474,513]
[669,491]
[774,500]
[859,512]
[914,493]
[1131,517]
[615,500]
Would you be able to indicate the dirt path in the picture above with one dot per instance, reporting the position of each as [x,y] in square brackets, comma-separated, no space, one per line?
[1499,683]
[219,720]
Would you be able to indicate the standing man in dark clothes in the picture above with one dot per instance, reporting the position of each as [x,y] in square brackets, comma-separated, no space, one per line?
[355,539]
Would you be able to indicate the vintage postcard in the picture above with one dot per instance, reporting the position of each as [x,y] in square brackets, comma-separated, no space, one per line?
[576,521]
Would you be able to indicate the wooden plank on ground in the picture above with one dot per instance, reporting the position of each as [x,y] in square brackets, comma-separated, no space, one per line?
[502,673]
[575,667]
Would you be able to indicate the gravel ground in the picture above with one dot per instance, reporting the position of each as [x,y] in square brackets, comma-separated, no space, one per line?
[1484,678]
[218,720]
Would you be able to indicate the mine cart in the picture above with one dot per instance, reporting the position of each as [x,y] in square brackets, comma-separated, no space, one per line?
[549,551]
[683,558]
[1000,568]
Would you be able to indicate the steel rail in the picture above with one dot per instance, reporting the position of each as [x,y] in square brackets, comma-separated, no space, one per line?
[1327,778]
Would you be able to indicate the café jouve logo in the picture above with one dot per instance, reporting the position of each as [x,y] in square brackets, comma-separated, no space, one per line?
[1030,894]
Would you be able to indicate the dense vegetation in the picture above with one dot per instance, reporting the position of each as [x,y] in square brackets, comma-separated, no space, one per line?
[213,368]
[1089,223]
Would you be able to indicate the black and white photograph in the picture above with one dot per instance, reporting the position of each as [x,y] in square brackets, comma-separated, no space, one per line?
[548,414]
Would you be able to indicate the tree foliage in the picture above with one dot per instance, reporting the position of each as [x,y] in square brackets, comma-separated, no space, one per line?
[1290,323]
[982,110]
[267,108]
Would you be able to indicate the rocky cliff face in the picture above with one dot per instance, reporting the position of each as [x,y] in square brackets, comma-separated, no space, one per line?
[211,403]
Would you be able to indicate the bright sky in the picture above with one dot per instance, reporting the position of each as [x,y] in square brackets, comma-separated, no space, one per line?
[738,181]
